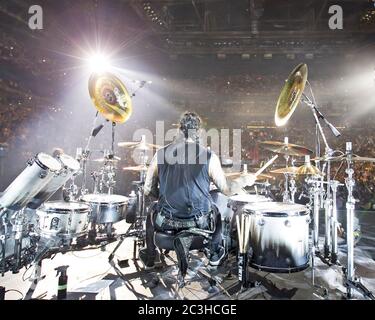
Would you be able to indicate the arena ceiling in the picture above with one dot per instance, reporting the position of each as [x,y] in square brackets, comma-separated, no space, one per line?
[195,27]
[255,26]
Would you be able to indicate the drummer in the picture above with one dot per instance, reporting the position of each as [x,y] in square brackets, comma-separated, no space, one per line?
[183,189]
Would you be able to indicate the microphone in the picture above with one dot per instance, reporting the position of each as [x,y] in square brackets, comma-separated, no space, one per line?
[334,130]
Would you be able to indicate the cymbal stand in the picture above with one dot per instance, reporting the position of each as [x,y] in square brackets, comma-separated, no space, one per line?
[316,208]
[83,155]
[3,238]
[286,198]
[352,282]
[111,172]
[95,176]
[334,223]
[328,206]
[292,188]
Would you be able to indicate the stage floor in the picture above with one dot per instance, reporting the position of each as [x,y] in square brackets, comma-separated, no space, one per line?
[92,277]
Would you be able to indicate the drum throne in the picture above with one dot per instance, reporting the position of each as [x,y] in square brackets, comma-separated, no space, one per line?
[182,243]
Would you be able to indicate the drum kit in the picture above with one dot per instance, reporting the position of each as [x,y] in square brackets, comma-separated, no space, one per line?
[274,236]
[33,227]
[268,235]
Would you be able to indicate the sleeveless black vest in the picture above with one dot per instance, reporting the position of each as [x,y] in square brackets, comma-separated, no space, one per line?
[184,183]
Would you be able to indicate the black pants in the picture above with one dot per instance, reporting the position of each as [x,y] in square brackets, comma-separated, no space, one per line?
[151,226]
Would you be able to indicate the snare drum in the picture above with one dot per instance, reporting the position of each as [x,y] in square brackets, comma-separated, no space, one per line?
[279,236]
[106,208]
[59,219]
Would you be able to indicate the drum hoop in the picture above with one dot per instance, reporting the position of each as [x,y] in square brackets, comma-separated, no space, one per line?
[66,210]
[43,166]
[65,165]
[106,202]
[280,214]
[114,203]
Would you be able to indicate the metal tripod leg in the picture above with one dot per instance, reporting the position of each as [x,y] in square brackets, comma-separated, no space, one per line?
[334,222]
[316,207]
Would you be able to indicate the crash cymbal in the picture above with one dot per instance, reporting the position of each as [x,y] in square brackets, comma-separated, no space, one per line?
[343,158]
[287,170]
[309,169]
[286,148]
[139,168]
[138,145]
[110,97]
[234,175]
[291,94]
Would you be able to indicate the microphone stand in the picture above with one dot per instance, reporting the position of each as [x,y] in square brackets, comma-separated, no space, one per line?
[328,153]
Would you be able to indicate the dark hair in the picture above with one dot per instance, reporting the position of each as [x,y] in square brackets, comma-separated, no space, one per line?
[190,124]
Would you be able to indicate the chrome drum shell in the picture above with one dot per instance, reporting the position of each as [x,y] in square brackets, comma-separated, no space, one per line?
[59,219]
[106,208]
[70,166]
[40,171]
[279,236]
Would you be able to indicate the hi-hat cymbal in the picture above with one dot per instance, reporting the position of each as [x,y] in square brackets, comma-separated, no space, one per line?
[309,169]
[110,97]
[286,148]
[291,94]
[138,145]
[140,168]
[234,175]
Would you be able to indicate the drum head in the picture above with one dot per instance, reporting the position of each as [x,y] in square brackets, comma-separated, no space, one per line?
[276,208]
[105,198]
[48,162]
[249,198]
[64,206]
[69,162]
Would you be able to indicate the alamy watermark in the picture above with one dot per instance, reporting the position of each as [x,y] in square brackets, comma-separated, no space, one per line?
[36,17]
[225,143]
[335,21]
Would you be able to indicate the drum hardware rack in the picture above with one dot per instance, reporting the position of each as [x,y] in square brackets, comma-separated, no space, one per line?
[352,281]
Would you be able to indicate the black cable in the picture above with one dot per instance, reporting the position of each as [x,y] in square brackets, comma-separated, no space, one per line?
[23,275]
[15,290]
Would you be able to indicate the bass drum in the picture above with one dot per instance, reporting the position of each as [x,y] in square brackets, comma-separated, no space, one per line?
[65,220]
[279,236]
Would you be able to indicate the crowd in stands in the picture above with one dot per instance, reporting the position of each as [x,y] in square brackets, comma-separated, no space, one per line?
[244,100]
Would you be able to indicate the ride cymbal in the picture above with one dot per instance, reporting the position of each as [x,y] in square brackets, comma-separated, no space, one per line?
[287,170]
[291,94]
[110,97]
[286,148]
[234,175]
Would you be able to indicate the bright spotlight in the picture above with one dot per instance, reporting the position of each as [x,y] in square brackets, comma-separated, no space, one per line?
[98,63]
